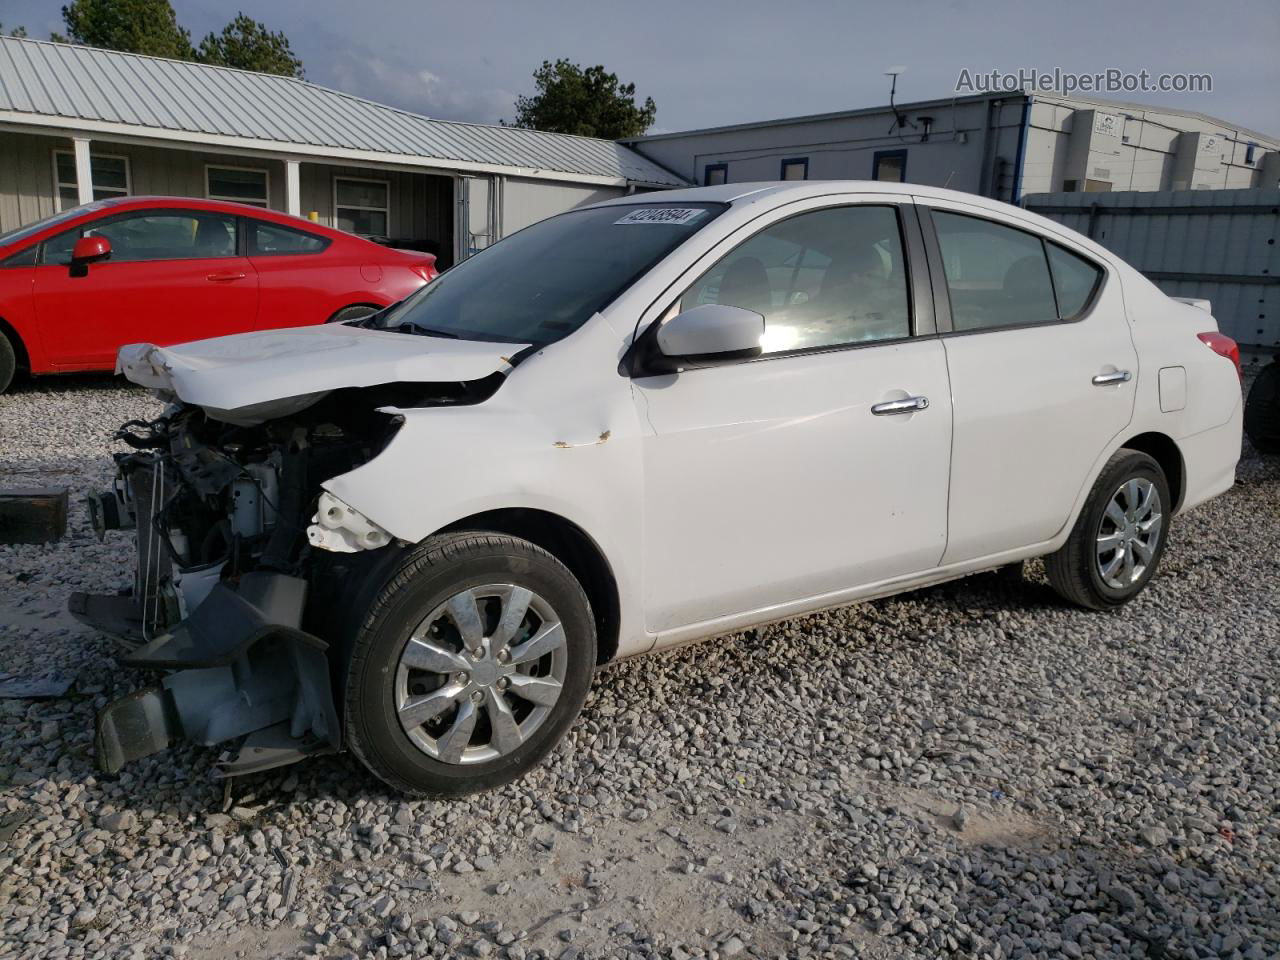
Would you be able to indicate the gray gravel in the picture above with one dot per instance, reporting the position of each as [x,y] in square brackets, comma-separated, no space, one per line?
[972,770]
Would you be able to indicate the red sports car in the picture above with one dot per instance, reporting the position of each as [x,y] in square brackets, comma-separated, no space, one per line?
[76,286]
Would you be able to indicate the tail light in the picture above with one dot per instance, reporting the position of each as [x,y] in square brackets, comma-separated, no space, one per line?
[426,269]
[1223,346]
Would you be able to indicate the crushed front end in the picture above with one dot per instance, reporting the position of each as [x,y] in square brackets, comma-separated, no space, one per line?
[246,572]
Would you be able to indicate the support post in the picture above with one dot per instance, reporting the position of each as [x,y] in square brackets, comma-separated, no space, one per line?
[84,170]
[292,189]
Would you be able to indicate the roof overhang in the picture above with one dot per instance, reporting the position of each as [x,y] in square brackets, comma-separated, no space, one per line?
[315,153]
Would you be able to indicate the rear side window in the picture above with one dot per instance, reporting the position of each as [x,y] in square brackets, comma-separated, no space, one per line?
[997,276]
[823,279]
[1074,280]
[272,238]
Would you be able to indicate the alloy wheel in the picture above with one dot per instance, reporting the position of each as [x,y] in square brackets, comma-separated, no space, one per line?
[1129,533]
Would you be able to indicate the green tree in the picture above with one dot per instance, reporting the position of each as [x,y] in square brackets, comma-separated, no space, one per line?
[15,32]
[248,45]
[133,26]
[589,103]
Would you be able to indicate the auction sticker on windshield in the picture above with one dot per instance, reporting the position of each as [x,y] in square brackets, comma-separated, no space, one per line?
[672,215]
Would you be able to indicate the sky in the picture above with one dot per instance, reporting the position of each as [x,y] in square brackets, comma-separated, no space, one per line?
[713,62]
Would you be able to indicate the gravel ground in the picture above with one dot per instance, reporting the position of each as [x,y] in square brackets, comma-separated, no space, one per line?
[971,770]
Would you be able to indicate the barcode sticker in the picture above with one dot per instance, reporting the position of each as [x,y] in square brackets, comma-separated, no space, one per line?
[672,215]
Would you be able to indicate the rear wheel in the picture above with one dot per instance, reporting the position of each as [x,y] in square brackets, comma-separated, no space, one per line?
[8,363]
[1118,539]
[354,312]
[1262,411]
[471,664]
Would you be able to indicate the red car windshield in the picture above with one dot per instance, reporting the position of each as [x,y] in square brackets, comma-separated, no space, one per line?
[544,282]
[31,229]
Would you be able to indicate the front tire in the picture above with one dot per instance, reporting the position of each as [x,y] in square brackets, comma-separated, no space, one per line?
[470,665]
[354,312]
[1116,544]
[1262,411]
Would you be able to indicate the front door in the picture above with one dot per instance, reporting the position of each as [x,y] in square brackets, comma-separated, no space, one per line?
[1043,376]
[172,276]
[818,467]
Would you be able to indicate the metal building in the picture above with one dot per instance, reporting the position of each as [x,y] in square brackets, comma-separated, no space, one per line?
[1002,145]
[78,123]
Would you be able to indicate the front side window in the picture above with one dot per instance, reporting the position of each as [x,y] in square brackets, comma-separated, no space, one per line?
[110,177]
[827,278]
[997,276]
[238,184]
[545,281]
[273,238]
[152,236]
[362,207]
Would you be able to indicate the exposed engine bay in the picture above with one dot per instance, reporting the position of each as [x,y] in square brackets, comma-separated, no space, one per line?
[248,572]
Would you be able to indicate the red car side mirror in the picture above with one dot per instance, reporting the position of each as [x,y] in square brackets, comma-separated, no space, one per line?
[86,251]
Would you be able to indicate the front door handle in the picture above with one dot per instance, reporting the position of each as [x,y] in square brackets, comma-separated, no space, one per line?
[1104,379]
[906,405]
[225,277]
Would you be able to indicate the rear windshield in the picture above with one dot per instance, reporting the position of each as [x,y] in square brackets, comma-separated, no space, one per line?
[546,281]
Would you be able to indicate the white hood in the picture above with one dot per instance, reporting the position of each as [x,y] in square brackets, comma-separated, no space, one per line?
[243,378]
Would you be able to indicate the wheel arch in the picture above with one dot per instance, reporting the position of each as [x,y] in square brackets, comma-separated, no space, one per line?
[15,340]
[356,303]
[1164,450]
[573,547]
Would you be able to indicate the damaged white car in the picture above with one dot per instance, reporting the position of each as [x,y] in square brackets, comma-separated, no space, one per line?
[630,426]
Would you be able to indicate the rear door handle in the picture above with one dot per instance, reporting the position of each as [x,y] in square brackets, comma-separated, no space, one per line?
[225,277]
[907,405]
[1104,379]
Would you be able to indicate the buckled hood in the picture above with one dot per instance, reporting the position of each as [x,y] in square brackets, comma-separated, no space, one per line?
[248,378]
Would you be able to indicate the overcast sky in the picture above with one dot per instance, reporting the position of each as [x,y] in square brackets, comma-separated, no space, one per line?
[711,62]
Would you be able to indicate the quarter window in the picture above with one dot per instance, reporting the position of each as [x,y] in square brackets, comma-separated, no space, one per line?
[238,184]
[828,278]
[362,207]
[272,238]
[997,276]
[1074,280]
[110,177]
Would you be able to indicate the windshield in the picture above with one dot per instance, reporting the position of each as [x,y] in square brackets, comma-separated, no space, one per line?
[546,281]
[31,229]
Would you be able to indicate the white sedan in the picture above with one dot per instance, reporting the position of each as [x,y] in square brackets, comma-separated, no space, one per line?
[631,426]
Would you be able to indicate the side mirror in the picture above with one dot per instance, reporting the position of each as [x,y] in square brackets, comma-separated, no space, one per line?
[86,251]
[705,336]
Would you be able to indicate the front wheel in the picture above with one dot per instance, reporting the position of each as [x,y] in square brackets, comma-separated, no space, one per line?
[471,664]
[1118,539]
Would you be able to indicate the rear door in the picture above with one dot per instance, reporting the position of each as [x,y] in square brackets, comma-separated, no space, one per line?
[173,275]
[1043,374]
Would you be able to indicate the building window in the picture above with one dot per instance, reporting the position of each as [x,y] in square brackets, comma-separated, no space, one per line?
[1070,186]
[237,184]
[1249,151]
[889,166]
[715,174]
[362,207]
[110,177]
[795,169]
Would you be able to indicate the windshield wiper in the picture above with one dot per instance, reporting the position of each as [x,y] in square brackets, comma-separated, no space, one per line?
[422,331]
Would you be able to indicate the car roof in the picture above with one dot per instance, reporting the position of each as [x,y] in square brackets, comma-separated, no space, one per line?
[116,204]
[785,191]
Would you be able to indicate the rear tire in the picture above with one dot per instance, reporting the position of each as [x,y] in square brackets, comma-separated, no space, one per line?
[1262,411]
[441,703]
[354,312]
[8,363]
[1111,554]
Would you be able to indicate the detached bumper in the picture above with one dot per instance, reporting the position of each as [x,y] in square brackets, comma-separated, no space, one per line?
[241,667]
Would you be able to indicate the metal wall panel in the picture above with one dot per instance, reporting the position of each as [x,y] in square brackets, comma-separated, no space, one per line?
[1217,244]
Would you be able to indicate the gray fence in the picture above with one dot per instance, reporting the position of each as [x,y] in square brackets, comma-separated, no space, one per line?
[1216,244]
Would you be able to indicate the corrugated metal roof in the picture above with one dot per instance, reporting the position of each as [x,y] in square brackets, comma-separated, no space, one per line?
[84,83]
